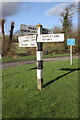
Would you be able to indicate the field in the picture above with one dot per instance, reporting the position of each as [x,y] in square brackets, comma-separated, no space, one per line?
[57,99]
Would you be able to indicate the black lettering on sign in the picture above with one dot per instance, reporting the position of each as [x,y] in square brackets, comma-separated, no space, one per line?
[56,35]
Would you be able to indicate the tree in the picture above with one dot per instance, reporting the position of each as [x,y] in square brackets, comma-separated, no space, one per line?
[67,16]
[10,37]
[56,30]
[11,31]
[2,21]
[66,20]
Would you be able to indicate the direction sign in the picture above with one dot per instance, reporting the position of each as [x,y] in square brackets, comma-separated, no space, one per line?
[50,38]
[30,38]
[27,41]
[30,29]
[70,41]
[28,45]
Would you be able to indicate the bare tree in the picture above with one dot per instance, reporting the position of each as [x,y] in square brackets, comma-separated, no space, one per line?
[10,37]
[11,31]
[56,30]
[2,21]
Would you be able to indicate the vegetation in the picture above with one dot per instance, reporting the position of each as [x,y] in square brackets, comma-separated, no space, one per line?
[31,57]
[2,40]
[10,42]
[58,98]
[11,31]
[48,48]
[10,37]
[66,19]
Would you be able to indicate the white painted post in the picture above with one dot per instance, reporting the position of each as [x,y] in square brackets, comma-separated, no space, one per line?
[39,60]
[70,54]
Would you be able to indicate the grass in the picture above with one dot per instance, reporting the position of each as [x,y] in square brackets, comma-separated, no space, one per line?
[11,59]
[32,57]
[58,98]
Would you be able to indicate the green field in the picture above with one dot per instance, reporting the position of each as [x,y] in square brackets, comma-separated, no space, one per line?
[57,99]
[31,57]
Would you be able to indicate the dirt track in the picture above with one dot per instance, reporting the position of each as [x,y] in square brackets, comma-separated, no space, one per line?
[18,63]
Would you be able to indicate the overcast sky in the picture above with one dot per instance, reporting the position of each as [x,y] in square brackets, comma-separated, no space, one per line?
[32,13]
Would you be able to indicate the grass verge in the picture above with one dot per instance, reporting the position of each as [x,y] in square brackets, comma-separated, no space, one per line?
[32,57]
[58,98]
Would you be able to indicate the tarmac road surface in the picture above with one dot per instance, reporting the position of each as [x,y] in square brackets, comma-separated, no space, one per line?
[18,63]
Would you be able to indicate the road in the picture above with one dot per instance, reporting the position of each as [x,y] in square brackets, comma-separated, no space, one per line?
[18,63]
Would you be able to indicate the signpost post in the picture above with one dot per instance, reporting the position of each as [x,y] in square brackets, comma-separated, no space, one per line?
[39,60]
[37,41]
[71,42]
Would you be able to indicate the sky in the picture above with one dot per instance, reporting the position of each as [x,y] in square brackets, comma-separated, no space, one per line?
[32,13]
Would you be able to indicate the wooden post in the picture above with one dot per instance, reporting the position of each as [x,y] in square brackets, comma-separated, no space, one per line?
[39,60]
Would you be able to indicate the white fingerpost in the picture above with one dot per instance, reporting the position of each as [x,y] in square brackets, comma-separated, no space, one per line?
[39,60]
[37,41]
[70,54]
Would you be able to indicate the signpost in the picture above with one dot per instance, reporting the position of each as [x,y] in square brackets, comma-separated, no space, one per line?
[37,41]
[70,41]
[27,41]
[29,29]
[50,38]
